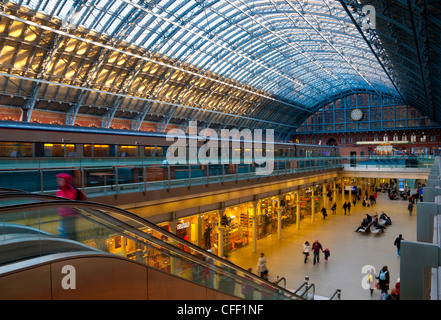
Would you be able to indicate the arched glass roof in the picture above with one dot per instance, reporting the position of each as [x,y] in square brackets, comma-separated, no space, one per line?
[281,59]
[299,51]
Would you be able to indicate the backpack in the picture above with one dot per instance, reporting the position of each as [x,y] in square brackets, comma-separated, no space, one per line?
[382,275]
[80,195]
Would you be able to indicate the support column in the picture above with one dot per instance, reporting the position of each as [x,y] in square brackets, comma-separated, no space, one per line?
[416,262]
[220,230]
[342,192]
[325,198]
[220,251]
[350,195]
[256,207]
[298,209]
[312,205]
[335,191]
[279,221]
[426,212]
[172,224]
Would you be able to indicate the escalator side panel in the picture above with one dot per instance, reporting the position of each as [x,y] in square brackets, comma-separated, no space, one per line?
[163,286]
[31,284]
[100,278]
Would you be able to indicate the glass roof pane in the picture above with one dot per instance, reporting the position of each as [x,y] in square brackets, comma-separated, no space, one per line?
[299,51]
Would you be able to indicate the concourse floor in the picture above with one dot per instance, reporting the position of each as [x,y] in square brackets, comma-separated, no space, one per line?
[350,251]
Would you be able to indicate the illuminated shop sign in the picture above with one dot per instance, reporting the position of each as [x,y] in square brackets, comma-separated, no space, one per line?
[183,225]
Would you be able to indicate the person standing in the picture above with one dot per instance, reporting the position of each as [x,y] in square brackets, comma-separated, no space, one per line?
[261,266]
[397,243]
[306,250]
[410,208]
[68,215]
[349,208]
[372,282]
[316,247]
[345,207]
[334,208]
[383,280]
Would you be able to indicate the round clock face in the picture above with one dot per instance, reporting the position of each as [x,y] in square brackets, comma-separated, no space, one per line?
[356,114]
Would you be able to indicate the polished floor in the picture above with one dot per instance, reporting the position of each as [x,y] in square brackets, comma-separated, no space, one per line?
[351,252]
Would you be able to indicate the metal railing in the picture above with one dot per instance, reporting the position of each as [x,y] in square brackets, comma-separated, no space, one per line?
[114,176]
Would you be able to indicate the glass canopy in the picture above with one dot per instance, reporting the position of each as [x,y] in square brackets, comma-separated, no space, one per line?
[267,64]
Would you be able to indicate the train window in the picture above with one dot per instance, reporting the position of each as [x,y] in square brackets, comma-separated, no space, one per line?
[15,149]
[153,151]
[126,151]
[58,149]
[96,150]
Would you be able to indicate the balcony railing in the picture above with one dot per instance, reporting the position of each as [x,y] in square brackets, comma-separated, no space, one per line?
[104,176]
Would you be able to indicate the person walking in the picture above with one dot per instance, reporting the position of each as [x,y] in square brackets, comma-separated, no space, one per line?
[324,213]
[327,254]
[306,250]
[68,215]
[316,247]
[345,207]
[261,266]
[349,208]
[397,243]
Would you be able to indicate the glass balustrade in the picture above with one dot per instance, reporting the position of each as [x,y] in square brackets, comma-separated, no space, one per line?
[113,176]
[116,231]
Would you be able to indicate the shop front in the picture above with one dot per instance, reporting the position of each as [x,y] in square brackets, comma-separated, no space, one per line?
[267,217]
[288,203]
[237,226]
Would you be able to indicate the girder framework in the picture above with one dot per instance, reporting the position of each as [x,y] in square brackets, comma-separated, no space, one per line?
[230,63]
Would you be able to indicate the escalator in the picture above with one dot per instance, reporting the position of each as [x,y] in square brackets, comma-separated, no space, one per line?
[112,254]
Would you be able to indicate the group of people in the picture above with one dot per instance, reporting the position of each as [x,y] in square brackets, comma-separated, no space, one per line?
[383,284]
[315,248]
[369,200]
[375,222]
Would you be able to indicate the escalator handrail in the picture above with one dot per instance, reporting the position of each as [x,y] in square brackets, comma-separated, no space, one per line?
[21,194]
[310,287]
[99,206]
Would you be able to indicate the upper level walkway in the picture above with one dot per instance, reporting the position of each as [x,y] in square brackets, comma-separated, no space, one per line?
[156,190]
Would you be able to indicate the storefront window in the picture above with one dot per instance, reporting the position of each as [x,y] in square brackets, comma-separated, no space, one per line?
[209,240]
[240,226]
[267,220]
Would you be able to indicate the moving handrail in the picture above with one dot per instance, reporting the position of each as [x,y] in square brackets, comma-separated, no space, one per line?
[336,295]
[309,293]
[301,290]
[280,280]
[131,225]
